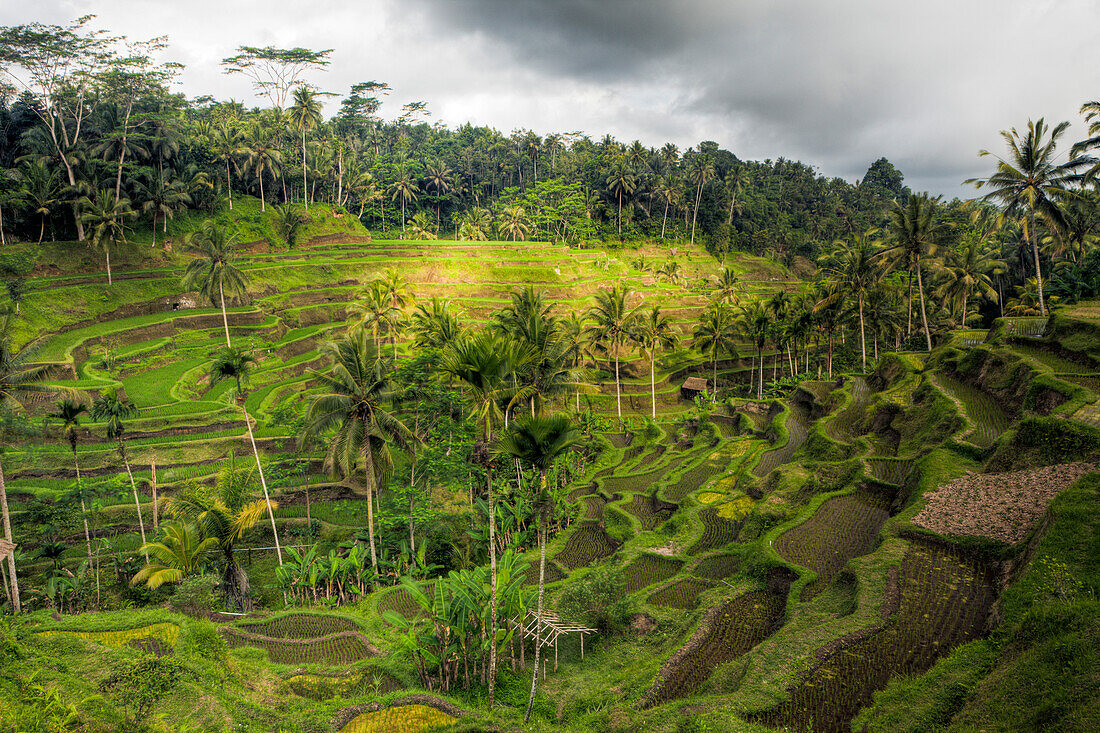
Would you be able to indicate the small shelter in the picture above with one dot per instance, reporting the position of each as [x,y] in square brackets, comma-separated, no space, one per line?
[546,628]
[694,386]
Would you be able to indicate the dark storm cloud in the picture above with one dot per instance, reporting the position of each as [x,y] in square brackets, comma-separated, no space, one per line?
[834,83]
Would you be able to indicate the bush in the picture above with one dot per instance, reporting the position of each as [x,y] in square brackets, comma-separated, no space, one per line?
[598,600]
[138,685]
[195,596]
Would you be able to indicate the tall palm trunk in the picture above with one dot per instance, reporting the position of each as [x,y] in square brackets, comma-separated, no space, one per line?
[923,312]
[542,587]
[862,338]
[228,184]
[305,206]
[1038,269]
[263,483]
[133,486]
[16,604]
[664,219]
[653,383]
[369,468]
[83,509]
[695,213]
[225,318]
[492,584]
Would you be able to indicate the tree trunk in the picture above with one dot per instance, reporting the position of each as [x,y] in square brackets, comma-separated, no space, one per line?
[107,250]
[369,469]
[695,213]
[225,318]
[228,184]
[83,509]
[263,483]
[1038,269]
[664,219]
[538,614]
[618,396]
[492,586]
[862,338]
[133,486]
[909,317]
[16,604]
[305,206]
[156,505]
[923,313]
[263,203]
[652,383]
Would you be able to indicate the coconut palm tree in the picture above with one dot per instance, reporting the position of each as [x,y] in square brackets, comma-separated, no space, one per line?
[727,286]
[352,406]
[20,382]
[967,269]
[1029,179]
[513,223]
[613,322]
[305,114]
[224,513]
[484,369]
[106,214]
[853,268]
[654,331]
[756,325]
[434,325]
[438,178]
[373,310]
[237,364]
[914,239]
[403,190]
[700,173]
[227,146]
[212,272]
[178,554]
[261,157]
[68,413]
[667,192]
[538,442]
[109,407]
[715,333]
[621,182]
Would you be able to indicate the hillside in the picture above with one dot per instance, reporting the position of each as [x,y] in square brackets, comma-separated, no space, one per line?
[800,562]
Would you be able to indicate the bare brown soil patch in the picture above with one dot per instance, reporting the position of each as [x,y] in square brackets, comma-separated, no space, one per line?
[1002,506]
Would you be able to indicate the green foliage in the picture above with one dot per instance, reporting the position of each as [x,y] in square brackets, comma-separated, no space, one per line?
[1042,441]
[598,599]
[137,686]
[195,595]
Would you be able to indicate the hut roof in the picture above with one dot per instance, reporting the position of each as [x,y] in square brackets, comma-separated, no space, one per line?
[697,384]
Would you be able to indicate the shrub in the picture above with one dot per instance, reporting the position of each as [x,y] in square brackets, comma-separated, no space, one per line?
[598,600]
[138,685]
[195,596]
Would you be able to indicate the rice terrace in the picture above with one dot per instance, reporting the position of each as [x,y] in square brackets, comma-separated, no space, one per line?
[322,416]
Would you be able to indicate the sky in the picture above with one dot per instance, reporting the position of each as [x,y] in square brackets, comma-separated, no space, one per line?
[835,84]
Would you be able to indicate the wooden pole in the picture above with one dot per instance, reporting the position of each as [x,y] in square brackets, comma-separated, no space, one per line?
[156,509]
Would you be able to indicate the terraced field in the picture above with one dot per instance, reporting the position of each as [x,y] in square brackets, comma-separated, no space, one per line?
[985,413]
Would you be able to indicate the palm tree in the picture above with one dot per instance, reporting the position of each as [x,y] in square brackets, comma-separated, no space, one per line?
[161,197]
[968,268]
[213,271]
[68,413]
[654,331]
[667,192]
[352,404]
[178,554]
[853,269]
[483,367]
[261,157]
[20,382]
[374,309]
[434,325]
[237,364]
[438,177]
[105,214]
[393,284]
[227,146]
[1029,180]
[621,181]
[914,239]
[756,325]
[715,333]
[701,173]
[224,513]
[305,114]
[727,286]
[538,442]
[404,191]
[513,223]
[113,409]
[613,324]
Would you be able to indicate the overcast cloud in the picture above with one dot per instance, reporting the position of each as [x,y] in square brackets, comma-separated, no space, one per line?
[834,83]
